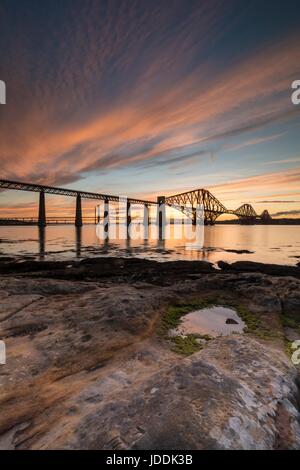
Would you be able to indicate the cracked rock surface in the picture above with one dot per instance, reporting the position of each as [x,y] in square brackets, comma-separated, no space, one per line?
[87,368]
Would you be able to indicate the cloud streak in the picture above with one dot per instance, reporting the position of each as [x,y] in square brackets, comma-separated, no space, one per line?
[286,213]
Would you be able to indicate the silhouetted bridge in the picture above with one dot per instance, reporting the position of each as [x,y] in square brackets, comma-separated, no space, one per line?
[188,203]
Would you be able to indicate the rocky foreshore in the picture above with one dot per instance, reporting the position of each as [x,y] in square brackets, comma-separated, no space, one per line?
[89,365]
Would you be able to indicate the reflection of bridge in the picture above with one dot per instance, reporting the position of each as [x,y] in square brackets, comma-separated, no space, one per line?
[188,203]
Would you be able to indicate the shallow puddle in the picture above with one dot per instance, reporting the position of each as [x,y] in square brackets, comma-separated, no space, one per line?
[213,321]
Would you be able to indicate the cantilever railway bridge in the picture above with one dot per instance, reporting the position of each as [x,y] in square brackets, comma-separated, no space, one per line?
[187,203]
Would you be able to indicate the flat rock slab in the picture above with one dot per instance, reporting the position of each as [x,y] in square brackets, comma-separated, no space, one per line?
[212,400]
[86,368]
[10,305]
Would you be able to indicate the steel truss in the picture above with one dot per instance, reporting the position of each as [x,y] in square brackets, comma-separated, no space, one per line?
[189,201]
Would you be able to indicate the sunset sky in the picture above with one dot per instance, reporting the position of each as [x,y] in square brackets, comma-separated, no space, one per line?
[143,98]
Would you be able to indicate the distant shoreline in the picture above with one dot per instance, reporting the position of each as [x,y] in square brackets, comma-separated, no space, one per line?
[258,222]
[12,222]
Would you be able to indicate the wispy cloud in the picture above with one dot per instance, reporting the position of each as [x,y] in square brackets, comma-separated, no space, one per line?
[286,213]
[278,201]
[253,142]
[283,161]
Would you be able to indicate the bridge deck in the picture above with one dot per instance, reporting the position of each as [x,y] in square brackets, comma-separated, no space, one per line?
[38,188]
[211,206]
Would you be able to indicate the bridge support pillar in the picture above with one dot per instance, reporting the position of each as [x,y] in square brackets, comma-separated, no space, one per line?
[106,216]
[78,218]
[161,215]
[42,210]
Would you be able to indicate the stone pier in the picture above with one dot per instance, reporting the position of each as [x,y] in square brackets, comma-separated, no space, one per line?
[161,215]
[78,218]
[42,210]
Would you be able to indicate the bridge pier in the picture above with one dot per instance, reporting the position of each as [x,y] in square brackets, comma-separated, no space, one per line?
[42,241]
[78,241]
[210,205]
[78,218]
[42,210]
[247,220]
[106,216]
[146,221]
[161,215]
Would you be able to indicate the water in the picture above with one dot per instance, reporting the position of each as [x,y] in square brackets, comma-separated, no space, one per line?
[265,243]
[213,321]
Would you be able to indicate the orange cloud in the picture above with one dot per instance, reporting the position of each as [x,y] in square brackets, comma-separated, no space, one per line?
[230,102]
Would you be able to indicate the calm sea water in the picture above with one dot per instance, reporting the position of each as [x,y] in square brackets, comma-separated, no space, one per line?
[266,243]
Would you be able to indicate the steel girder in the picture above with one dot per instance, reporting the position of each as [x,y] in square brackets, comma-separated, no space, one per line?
[38,188]
[265,215]
[188,203]
[246,210]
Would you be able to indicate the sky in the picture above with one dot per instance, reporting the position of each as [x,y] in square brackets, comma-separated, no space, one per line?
[145,98]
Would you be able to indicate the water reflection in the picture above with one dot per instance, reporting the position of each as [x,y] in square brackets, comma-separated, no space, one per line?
[221,242]
[78,231]
[42,239]
[213,321]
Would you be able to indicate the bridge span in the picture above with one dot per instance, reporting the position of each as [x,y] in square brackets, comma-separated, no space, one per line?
[43,189]
[186,202]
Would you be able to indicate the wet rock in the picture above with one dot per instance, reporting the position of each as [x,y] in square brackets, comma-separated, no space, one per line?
[291,334]
[239,252]
[291,303]
[251,266]
[212,400]
[10,304]
[46,287]
[265,298]
[6,259]
[86,367]
[128,269]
